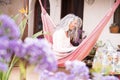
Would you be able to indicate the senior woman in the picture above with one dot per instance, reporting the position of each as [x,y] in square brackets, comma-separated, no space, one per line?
[66,31]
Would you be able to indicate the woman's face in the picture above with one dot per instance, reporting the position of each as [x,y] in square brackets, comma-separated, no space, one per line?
[73,24]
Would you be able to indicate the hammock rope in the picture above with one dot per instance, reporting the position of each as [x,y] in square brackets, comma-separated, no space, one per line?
[87,44]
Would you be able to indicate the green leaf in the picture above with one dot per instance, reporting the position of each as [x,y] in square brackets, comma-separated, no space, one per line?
[1,74]
[13,62]
[22,66]
[37,34]
[40,33]
[22,26]
[15,17]
[0,12]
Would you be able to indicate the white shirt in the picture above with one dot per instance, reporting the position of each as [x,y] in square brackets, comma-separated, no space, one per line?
[61,43]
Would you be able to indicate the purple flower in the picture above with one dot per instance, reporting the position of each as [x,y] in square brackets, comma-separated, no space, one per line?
[98,76]
[8,28]
[38,52]
[5,57]
[78,69]
[18,47]
[46,75]
[35,51]
[4,43]
[109,78]
[61,76]
[70,77]
[5,54]
[3,67]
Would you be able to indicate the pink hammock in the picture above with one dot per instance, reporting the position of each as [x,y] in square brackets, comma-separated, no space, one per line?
[87,44]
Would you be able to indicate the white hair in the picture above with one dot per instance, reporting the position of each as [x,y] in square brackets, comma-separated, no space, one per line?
[65,22]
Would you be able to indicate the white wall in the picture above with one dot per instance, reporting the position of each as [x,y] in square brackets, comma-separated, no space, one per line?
[93,15]
[31,18]
[55,10]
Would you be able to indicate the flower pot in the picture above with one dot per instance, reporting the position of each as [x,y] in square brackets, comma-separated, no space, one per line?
[114,29]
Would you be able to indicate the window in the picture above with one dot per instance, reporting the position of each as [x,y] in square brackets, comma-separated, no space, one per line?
[72,6]
[117,16]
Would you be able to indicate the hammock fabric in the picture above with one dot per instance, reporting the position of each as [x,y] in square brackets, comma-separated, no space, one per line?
[87,44]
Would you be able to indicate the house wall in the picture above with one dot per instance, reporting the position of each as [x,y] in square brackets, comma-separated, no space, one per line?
[93,15]
[12,8]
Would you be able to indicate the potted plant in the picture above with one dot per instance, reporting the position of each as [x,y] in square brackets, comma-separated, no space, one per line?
[114,28]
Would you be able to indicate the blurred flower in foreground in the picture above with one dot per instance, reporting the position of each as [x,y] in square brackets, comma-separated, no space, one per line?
[36,52]
[8,28]
[46,75]
[39,52]
[98,76]
[78,69]
[9,32]
[5,54]
[109,78]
